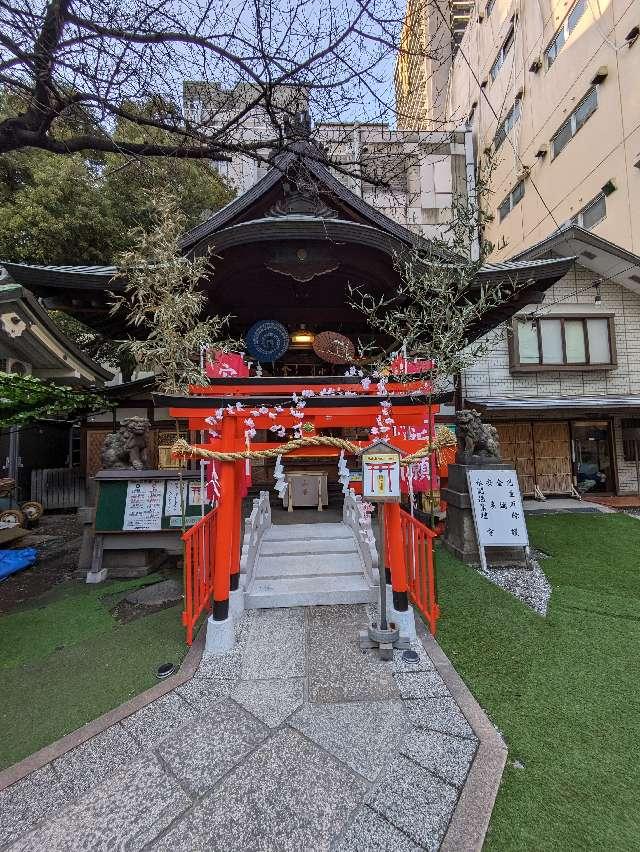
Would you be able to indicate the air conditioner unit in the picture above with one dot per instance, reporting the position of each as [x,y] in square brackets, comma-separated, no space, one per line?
[542,152]
[600,75]
[536,65]
[523,173]
[18,367]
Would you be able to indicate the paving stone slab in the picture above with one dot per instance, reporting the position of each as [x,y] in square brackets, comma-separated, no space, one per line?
[425,684]
[338,670]
[90,763]
[125,812]
[201,692]
[332,616]
[361,734]
[445,756]
[415,802]
[28,801]
[271,701]
[288,796]
[370,833]
[200,753]
[159,720]
[439,713]
[275,645]
[223,667]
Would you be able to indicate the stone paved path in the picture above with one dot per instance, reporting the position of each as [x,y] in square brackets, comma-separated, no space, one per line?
[295,740]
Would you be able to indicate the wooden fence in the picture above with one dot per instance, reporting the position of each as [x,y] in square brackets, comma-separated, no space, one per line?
[58,487]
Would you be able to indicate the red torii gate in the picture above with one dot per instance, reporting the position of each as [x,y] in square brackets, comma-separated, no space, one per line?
[350,404]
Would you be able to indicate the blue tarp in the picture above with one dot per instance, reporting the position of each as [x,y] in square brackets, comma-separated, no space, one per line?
[15,560]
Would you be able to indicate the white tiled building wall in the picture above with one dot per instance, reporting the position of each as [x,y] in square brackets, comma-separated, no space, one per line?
[491,377]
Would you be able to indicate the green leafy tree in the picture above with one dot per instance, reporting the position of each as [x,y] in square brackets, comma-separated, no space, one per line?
[164,301]
[27,399]
[82,209]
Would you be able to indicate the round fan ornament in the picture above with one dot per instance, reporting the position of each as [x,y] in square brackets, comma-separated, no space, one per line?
[267,340]
[334,348]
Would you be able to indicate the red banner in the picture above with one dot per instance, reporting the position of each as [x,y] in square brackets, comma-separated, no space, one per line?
[226,365]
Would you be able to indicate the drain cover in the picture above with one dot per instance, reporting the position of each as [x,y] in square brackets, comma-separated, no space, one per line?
[410,656]
[165,670]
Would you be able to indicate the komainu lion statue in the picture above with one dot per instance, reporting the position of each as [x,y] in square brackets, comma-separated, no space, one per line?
[127,448]
[476,438]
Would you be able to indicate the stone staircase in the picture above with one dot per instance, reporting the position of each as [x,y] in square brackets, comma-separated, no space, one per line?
[309,564]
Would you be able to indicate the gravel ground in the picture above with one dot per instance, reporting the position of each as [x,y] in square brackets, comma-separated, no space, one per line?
[57,539]
[530,585]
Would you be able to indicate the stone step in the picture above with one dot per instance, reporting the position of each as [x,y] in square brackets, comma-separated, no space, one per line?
[305,546]
[305,532]
[317,564]
[309,591]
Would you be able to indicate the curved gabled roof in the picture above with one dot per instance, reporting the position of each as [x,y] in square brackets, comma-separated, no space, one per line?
[327,183]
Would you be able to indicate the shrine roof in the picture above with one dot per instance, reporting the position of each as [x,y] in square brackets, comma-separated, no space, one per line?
[234,209]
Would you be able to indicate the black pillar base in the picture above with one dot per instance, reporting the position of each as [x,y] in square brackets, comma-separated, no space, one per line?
[235,582]
[220,610]
[400,601]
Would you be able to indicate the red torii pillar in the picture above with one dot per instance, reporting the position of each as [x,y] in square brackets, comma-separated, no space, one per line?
[396,571]
[227,521]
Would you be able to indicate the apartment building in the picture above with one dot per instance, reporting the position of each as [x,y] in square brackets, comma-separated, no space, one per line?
[549,91]
[431,34]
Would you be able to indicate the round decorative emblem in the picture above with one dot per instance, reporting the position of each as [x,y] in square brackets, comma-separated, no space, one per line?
[334,348]
[267,340]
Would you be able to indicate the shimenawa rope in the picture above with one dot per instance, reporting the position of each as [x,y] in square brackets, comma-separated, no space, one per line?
[181,449]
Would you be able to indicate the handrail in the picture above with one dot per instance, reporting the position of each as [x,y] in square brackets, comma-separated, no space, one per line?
[359,521]
[256,525]
[417,540]
[199,569]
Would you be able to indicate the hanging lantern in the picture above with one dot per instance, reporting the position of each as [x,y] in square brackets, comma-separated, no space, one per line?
[302,338]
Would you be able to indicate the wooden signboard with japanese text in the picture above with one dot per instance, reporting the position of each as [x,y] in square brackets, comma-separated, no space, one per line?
[147,505]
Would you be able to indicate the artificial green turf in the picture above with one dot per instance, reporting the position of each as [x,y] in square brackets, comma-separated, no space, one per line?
[65,660]
[564,690]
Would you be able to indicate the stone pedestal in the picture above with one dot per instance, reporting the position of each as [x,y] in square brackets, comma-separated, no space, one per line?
[460,535]
[131,563]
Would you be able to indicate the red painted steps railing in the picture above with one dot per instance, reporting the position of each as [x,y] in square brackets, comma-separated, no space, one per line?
[417,542]
[199,569]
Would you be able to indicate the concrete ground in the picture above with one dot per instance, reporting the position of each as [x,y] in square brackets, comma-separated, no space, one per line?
[294,740]
[556,505]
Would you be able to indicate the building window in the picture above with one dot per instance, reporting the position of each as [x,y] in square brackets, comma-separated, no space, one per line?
[502,54]
[489,7]
[594,212]
[568,26]
[578,117]
[570,342]
[511,200]
[507,125]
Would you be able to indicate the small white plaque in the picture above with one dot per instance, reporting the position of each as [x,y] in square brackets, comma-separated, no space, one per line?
[381,476]
[173,499]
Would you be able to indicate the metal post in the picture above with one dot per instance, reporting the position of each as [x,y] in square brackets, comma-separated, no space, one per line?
[381,569]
